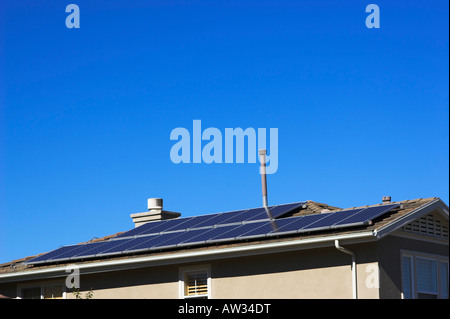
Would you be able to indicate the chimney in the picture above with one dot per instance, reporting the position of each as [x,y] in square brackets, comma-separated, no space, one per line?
[155,213]
[386,199]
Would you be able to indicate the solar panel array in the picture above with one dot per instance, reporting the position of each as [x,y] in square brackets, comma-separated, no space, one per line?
[214,228]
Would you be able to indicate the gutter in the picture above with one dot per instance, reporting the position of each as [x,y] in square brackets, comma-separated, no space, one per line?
[189,256]
[354,279]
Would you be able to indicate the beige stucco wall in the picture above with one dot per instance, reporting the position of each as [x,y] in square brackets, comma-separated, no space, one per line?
[324,273]
[310,273]
[319,273]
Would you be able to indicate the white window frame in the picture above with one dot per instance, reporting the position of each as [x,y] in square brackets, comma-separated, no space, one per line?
[413,256]
[183,271]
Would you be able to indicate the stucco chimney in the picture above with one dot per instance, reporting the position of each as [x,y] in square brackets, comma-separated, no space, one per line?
[155,212]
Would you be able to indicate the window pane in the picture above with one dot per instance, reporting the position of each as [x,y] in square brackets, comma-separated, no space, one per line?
[196,283]
[31,293]
[426,275]
[443,269]
[53,292]
[406,277]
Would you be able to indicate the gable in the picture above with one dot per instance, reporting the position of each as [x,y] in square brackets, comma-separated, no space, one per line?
[430,225]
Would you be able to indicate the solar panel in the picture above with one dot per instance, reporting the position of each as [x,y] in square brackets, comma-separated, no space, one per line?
[211,221]
[256,214]
[178,238]
[126,245]
[255,230]
[331,218]
[208,235]
[93,249]
[54,253]
[233,232]
[166,226]
[235,217]
[143,229]
[240,230]
[189,222]
[77,251]
[296,223]
[146,242]
[281,210]
[163,240]
[205,229]
[202,221]
[367,214]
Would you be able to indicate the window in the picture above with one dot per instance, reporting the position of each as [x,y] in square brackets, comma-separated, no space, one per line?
[424,276]
[42,292]
[407,277]
[443,273]
[195,283]
[31,293]
[53,292]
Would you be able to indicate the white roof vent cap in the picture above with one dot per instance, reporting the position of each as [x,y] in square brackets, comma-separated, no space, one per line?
[155,203]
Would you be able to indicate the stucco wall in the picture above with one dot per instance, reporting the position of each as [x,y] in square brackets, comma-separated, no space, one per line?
[318,273]
[313,273]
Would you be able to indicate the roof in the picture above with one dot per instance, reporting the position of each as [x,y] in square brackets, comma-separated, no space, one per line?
[403,213]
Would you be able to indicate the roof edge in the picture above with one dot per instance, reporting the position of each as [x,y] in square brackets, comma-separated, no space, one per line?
[436,204]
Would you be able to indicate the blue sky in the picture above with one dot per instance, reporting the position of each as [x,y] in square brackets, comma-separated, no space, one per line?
[86,114]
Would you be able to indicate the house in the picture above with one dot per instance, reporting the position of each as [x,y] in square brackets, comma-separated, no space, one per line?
[313,250]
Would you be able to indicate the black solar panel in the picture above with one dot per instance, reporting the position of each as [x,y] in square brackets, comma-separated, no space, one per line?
[93,249]
[143,229]
[234,217]
[367,214]
[281,210]
[54,253]
[127,245]
[329,219]
[204,229]
[207,234]
[165,225]
[256,214]
[143,243]
[297,223]
[255,229]
[83,248]
[177,238]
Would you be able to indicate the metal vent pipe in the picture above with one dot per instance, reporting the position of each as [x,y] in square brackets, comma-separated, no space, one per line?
[262,159]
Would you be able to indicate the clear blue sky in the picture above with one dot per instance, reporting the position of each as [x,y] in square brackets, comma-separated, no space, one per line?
[86,114]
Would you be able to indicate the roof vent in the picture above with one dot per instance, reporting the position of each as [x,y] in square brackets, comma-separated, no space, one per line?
[155,213]
[155,203]
[386,199]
